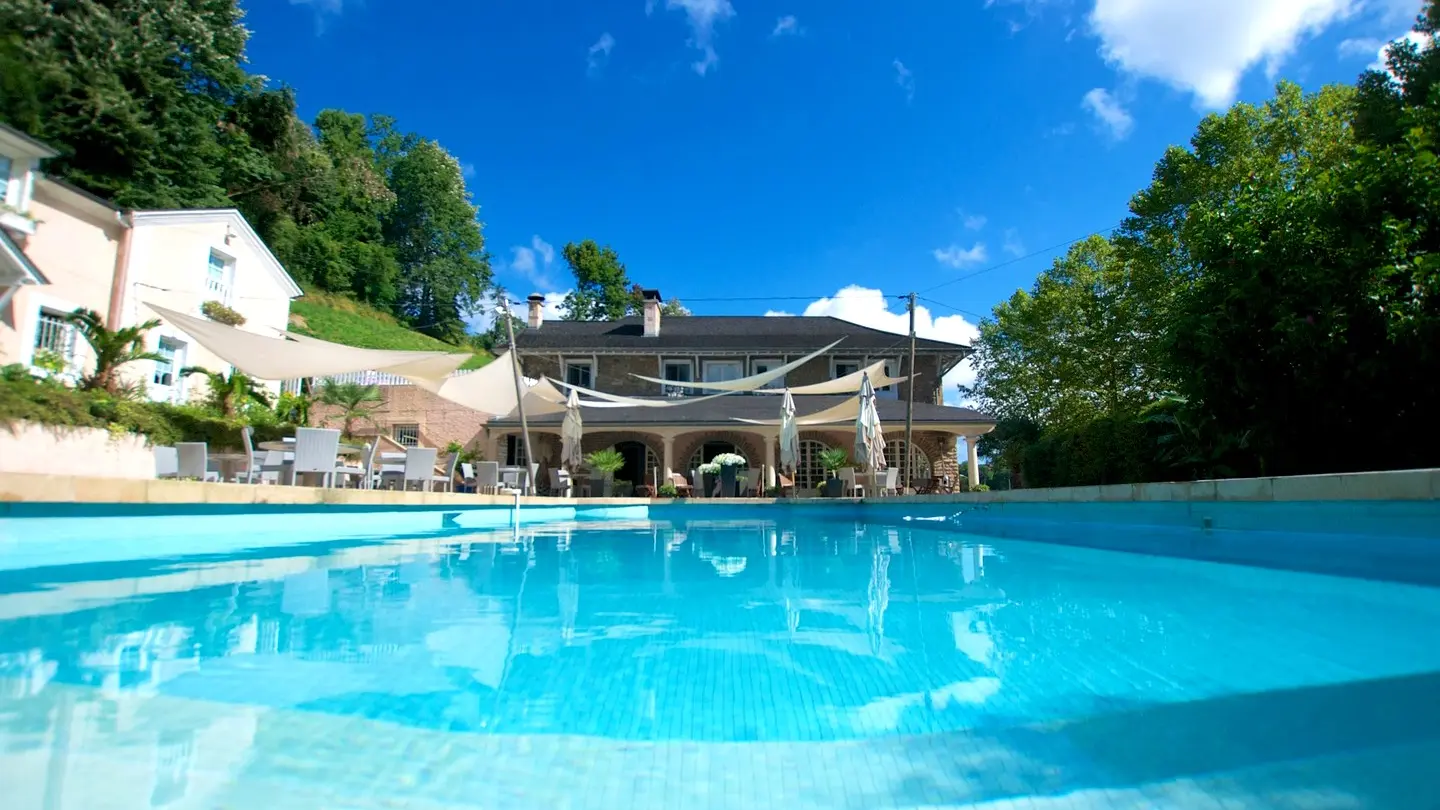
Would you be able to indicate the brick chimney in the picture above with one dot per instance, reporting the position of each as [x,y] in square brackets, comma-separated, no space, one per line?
[652,312]
[537,303]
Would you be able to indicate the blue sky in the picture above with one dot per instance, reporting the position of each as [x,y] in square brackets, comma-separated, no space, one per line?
[789,149]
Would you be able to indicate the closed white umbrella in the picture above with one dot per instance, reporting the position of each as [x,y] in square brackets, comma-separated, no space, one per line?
[571,432]
[789,434]
[869,436]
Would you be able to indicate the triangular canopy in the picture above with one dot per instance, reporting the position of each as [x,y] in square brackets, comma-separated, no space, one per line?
[848,384]
[835,415]
[752,383]
[269,358]
[491,390]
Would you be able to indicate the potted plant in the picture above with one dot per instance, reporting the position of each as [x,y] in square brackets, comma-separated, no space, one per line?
[606,462]
[730,464]
[708,473]
[833,459]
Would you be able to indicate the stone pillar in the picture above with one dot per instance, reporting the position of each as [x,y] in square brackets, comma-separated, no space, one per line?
[769,461]
[668,455]
[972,460]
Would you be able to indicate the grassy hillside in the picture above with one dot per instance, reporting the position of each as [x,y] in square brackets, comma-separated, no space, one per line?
[341,320]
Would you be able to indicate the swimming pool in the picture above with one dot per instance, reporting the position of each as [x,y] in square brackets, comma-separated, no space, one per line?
[799,661]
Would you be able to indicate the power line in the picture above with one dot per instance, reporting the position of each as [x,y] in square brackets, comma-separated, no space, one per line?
[1019,259]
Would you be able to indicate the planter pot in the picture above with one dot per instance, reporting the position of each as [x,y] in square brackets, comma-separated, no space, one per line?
[833,488]
[607,486]
[727,482]
[709,491]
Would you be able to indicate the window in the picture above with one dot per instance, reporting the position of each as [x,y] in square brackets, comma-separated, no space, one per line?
[843,368]
[707,451]
[890,391]
[514,451]
[56,336]
[919,463]
[580,372]
[167,368]
[809,472]
[678,371]
[4,179]
[218,276]
[723,370]
[408,435]
[762,366]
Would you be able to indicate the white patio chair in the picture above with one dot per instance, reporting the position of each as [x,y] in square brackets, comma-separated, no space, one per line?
[447,480]
[467,476]
[274,467]
[419,467]
[194,458]
[315,452]
[509,481]
[167,462]
[892,481]
[561,485]
[851,487]
[362,471]
[487,477]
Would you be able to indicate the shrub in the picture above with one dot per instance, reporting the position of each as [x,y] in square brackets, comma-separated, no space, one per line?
[218,312]
[668,490]
[607,461]
[833,458]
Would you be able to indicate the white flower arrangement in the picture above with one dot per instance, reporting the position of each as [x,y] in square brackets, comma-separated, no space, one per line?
[729,460]
[709,469]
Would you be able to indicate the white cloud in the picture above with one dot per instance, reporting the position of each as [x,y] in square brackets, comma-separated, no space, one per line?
[534,261]
[905,79]
[599,53]
[786,25]
[1109,111]
[485,309]
[973,222]
[1204,47]
[467,170]
[1013,245]
[702,15]
[956,256]
[869,307]
[778,313]
[1364,46]
[333,7]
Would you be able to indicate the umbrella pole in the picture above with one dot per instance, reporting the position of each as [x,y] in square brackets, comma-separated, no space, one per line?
[520,395]
[909,406]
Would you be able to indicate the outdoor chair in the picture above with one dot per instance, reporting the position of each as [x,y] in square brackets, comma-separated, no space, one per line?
[682,487]
[851,488]
[487,477]
[267,468]
[447,480]
[561,484]
[467,477]
[419,468]
[315,452]
[786,485]
[194,460]
[167,462]
[892,480]
[364,473]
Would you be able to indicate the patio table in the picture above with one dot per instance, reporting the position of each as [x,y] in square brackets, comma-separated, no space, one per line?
[228,464]
[288,446]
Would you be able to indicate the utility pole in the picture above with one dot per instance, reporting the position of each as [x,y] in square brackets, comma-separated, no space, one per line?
[520,390]
[910,404]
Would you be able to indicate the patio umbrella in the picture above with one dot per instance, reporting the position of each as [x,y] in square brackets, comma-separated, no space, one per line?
[789,434]
[869,436]
[571,432]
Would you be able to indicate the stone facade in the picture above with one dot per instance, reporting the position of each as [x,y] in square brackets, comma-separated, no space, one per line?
[440,421]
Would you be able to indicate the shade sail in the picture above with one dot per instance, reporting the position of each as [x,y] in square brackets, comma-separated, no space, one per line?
[848,384]
[751,383]
[491,390]
[269,358]
[600,399]
[835,415]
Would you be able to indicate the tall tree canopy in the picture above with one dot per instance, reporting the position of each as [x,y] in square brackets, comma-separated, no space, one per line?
[150,105]
[603,290]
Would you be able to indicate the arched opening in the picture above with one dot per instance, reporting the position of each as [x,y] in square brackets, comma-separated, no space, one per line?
[809,472]
[639,461]
[919,462]
[710,450]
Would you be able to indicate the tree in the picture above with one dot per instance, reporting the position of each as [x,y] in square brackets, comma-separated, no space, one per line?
[602,289]
[437,239]
[226,393]
[112,348]
[355,402]
[672,308]
[1073,348]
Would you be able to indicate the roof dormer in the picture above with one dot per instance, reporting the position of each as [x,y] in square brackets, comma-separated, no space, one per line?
[20,157]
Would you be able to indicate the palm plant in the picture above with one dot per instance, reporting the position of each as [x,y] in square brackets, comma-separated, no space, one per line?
[353,400]
[294,408]
[227,392]
[113,348]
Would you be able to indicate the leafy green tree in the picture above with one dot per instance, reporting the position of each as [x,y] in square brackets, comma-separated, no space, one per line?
[113,348]
[228,393]
[437,239]
[603,291]
[353,401]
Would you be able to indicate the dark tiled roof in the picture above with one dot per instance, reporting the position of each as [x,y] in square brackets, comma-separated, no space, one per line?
[710,332]
[719,412]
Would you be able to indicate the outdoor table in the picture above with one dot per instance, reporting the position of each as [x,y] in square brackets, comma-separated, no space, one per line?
[288,446]
[228,464]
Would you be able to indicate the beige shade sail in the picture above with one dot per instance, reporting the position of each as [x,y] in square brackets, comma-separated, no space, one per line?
[849,384]
[604,400]
[269,358]
[751,383]
[846,411]
[491,390]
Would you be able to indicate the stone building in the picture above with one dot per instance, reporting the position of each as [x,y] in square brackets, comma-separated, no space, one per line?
[606,355]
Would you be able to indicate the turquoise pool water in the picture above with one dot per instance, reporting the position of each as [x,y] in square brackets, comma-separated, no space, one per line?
[791,663]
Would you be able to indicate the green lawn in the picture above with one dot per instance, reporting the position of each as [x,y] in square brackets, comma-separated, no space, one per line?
[340,320]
